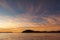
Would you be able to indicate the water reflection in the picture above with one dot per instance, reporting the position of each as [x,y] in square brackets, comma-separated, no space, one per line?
[29,36]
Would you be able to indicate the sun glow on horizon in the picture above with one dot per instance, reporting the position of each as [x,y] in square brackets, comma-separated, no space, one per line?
[6,24]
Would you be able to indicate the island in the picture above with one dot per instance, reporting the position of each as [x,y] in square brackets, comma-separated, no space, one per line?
[32,31]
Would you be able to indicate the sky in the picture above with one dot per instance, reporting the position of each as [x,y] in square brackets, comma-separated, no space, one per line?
[30,13]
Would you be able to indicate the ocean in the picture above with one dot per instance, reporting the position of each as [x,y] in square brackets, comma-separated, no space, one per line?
[29,36]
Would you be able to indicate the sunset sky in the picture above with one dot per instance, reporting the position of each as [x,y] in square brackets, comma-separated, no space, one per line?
[33,14]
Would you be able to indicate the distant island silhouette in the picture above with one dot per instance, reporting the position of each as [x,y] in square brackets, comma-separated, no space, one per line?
[32,31]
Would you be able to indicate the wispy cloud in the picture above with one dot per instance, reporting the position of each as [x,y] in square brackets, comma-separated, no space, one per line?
[6,5]
[33,15]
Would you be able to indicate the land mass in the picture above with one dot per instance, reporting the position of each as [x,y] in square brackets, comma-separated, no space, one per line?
[32,31]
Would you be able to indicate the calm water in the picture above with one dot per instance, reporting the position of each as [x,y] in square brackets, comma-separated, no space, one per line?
[29,36]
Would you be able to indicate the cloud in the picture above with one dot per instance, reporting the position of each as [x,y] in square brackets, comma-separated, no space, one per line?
[35,15]
[6,5]
[42,21]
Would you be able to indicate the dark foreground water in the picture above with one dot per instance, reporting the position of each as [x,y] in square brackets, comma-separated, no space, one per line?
[29,36]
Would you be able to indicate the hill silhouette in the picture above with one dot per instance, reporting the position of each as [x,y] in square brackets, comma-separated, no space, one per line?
[31,31]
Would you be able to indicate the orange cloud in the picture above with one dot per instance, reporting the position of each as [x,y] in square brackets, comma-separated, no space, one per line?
[23,23]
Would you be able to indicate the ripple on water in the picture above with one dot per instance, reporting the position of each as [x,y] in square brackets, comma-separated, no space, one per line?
[29,36]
